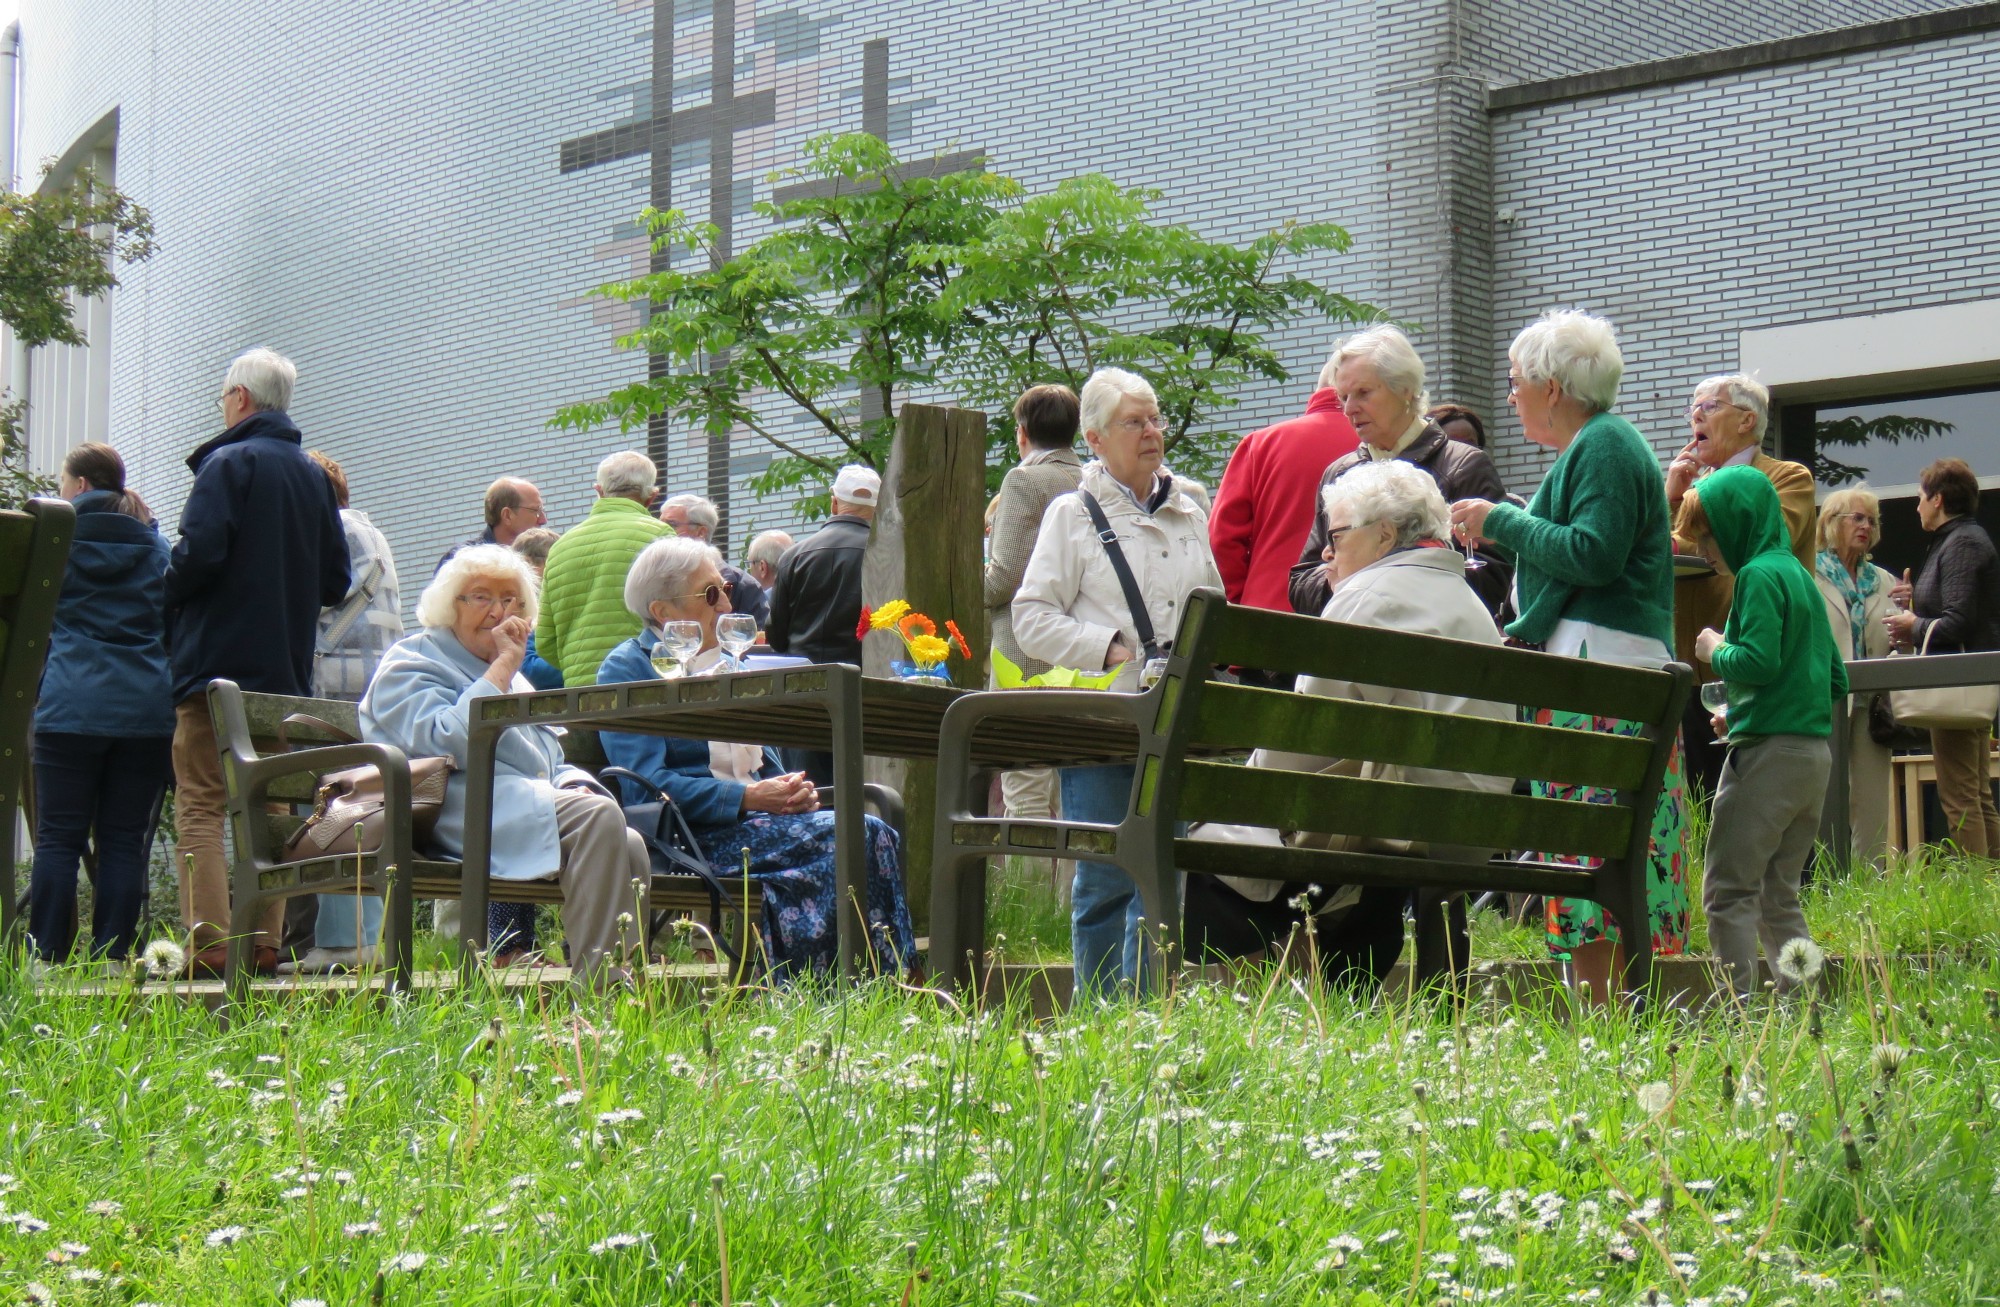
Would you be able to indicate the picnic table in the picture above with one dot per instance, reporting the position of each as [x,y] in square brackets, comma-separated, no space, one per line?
[830,707]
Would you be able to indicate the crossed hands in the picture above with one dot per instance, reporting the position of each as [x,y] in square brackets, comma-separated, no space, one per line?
[791,793]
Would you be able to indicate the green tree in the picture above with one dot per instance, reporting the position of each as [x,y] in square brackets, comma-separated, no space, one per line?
[1853,432]
[893,282]
[57,245]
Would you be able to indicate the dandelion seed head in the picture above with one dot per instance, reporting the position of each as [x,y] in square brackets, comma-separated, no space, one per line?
[164,958]
[1655,1098]
[1800,961]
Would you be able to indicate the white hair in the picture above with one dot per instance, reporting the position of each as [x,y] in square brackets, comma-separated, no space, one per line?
[1575,350]
[266,376]
[1746,393]
[627,473]
[665,569]
[1104,391]
[1393,491]
[1389,352]
[1326,371]
[438,605]
[768,548]
[700,512]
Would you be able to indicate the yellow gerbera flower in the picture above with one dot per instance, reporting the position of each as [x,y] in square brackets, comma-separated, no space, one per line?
[929,649]
[886,616]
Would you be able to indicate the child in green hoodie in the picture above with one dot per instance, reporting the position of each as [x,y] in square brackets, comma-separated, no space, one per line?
[1783,672]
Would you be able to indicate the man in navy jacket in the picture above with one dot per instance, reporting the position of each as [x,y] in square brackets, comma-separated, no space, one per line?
[261,552]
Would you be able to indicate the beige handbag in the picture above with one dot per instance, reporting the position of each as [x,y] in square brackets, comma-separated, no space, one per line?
[1944,707]
[347,815]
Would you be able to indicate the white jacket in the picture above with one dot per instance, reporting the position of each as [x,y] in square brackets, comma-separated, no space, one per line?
[1070,605]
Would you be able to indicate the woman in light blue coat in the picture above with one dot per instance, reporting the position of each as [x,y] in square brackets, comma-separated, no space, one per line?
[550,820]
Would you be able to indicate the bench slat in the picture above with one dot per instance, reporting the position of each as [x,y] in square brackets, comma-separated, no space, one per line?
[1318,866]
[1311,646]
[1244,717]
[1377,809]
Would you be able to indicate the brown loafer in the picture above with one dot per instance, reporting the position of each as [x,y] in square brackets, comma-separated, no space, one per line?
[208,964]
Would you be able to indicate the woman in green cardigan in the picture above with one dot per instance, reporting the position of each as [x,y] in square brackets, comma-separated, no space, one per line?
[1594,579]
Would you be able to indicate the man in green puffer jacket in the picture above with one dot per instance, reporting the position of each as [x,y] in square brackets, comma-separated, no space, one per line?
[583,583]
[1777,657]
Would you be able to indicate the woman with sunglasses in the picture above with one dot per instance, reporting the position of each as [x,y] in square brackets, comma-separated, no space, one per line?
[739,802]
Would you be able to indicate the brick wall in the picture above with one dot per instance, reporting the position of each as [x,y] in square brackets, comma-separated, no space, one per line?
[1688,213]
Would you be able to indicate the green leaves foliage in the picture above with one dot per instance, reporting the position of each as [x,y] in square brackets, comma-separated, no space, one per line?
[890,279]
[60,244]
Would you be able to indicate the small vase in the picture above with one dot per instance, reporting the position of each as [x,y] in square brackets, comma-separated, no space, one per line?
[921,673]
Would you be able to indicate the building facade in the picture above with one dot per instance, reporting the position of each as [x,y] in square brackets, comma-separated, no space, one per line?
[415,201]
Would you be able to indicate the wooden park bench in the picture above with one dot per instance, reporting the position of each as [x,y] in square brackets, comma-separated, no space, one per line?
[1188,720]
[259,773]
[34,550]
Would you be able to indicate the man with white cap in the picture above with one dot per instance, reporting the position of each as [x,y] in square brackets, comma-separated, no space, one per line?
[816,598]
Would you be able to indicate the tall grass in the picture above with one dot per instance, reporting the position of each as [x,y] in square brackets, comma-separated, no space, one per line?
[870,1145]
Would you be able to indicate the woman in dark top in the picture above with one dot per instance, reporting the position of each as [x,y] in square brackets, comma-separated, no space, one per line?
[104,722]
[1955,606]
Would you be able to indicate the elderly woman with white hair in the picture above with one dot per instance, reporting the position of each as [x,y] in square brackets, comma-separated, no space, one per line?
[1072,611]
[1380,381]
[1388,564]
[1594,577]
[750,816]
[550,820]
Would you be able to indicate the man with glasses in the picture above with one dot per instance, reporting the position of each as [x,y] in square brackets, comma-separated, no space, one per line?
[512,507]
[261,551]
[816,598]
[583,583]
[1728,417]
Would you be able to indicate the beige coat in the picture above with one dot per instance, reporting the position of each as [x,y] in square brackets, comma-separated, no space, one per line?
[1024,497]
[1868,777]
[1070,604]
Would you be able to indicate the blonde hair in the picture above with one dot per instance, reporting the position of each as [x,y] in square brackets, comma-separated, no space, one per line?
[438,605]
[1843,501]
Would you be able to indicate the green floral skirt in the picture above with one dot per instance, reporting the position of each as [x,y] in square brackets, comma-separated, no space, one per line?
[1575,922]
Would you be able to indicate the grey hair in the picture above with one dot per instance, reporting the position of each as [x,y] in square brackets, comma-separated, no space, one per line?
[1387,350]
[1577,351]
[1746,393]
[1104,391]
[700,511]
[627,473]
[1393,491]
[1331,366]
[266,376]
[534,543]
[438,605]
[663,570]
[768,548]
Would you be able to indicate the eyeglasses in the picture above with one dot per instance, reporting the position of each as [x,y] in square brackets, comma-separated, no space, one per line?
[1157,422]
[481,600]
[1696,412]
[711,592]
[1334,535]
[1513,385]
[222,400]
[1860,519]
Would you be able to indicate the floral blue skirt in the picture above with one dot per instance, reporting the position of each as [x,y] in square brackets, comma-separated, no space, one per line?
[791,859]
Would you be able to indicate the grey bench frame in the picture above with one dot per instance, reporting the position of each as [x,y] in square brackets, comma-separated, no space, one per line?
[1188,714]
[34,556]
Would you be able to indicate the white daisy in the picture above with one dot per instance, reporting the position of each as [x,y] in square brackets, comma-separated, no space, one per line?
[226,1236]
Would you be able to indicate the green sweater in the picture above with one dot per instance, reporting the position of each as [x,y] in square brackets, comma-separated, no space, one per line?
[1778,657]
[583,587]
[1594,545]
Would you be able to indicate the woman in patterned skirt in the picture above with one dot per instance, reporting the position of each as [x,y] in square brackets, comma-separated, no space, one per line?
[1594,579]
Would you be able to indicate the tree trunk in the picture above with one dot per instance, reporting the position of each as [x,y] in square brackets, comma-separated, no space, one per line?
[926,548]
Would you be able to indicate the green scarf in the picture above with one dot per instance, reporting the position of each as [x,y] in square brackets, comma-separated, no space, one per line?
[1856,594]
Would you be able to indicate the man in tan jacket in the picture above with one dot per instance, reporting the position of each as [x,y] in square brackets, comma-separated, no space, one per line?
[1045,420]
[1729,416]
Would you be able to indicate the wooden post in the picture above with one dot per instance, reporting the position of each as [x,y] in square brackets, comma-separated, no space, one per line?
[926,549]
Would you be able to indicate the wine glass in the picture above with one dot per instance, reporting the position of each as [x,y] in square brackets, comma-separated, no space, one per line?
[683,642]
[1715,698]
[665,665]
[736,632]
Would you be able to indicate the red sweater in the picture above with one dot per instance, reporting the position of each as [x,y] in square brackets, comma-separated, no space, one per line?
[1264,510]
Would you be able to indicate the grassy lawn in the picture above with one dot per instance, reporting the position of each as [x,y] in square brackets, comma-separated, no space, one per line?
[1266,1145]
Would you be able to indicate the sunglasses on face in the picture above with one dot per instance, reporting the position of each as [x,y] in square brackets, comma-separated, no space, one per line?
[712,593]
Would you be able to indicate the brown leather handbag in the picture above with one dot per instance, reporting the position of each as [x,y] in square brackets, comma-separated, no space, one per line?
[347,816]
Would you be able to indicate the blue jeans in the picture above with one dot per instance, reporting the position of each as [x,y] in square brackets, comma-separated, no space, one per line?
[336,924]
[1105,906]
[111,785]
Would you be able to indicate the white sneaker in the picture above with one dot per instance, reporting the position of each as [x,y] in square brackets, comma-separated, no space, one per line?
[327,961]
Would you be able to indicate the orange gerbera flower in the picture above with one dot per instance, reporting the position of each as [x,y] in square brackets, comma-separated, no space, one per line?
[916,624]
[964,650]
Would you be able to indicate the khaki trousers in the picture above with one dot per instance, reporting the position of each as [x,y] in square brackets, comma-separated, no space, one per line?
[199,811]
[1965,790]
[605,874]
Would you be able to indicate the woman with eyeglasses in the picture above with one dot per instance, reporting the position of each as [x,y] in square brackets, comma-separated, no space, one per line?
[1858,595]
[1594,576]
[739,802]
[551,821]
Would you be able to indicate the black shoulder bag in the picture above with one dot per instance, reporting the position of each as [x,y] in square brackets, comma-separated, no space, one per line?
[1142,623]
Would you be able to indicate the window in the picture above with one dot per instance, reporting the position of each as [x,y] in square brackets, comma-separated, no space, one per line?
[1886,442]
